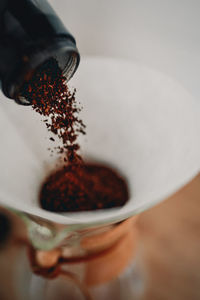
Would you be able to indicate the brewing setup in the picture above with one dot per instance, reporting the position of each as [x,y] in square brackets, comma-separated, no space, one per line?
[138,121]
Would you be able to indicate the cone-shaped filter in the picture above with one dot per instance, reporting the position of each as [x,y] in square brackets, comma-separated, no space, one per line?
[138,121]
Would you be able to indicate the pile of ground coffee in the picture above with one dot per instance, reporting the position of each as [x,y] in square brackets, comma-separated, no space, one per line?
[84,187]
[76,186]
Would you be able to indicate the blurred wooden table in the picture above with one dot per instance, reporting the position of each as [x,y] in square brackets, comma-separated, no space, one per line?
[168,248]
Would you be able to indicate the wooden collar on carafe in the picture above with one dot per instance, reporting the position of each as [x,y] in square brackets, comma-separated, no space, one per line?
[109,252]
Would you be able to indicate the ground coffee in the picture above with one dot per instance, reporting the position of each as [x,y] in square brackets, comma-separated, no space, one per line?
[49,95]
[76,186]
[83,187]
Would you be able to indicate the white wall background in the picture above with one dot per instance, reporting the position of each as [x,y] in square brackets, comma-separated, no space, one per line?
[164,34]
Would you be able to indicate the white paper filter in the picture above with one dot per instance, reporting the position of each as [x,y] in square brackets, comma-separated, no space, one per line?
[138,120]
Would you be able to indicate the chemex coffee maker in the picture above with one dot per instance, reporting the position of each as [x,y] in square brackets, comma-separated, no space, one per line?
[133,123]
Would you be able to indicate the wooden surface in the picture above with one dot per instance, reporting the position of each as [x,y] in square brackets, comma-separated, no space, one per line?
[168,248]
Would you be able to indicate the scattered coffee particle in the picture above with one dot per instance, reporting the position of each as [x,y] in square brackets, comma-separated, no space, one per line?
[82,188]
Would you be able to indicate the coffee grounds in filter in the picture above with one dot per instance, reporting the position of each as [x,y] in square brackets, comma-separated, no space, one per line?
[76,186]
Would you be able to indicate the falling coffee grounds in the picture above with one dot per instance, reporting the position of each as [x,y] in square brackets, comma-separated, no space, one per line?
[83,187]
[49,95]
[77,186]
